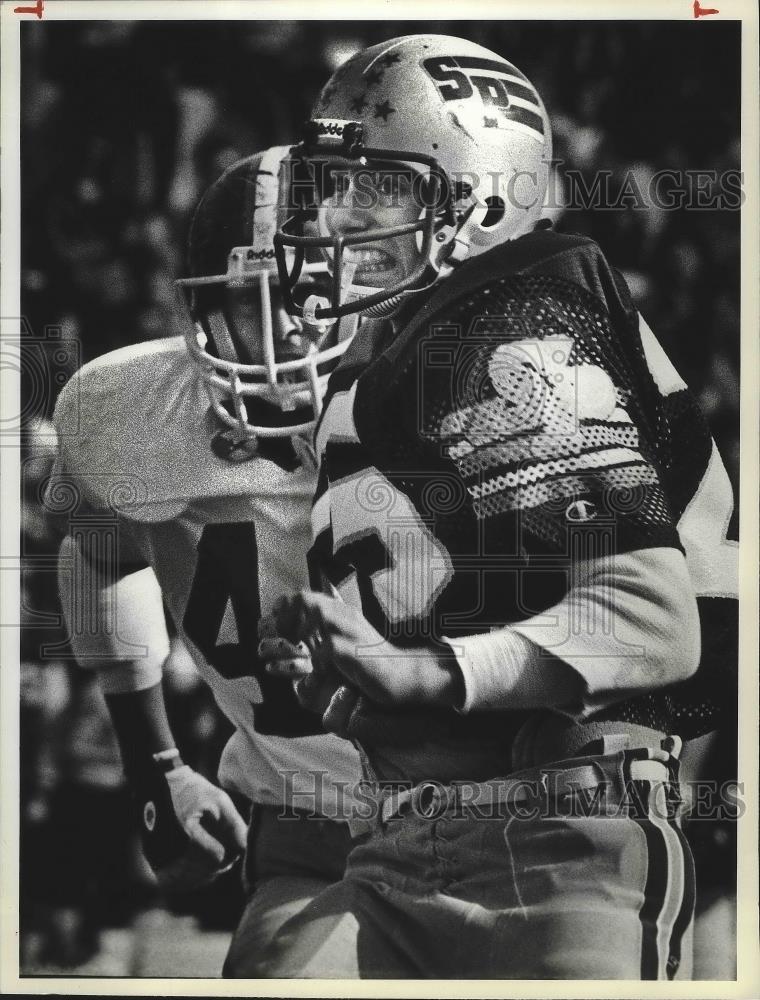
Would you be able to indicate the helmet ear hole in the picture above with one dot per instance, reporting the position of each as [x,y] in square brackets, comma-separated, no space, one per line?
[495,213]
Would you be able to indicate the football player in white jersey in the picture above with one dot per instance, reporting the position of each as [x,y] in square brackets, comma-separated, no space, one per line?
[185,473]
[518,499]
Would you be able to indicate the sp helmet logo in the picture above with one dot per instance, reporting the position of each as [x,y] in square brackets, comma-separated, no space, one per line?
[505,89]
[149,816]
[580,511]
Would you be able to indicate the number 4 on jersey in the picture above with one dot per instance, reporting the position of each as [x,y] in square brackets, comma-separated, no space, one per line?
[227,573]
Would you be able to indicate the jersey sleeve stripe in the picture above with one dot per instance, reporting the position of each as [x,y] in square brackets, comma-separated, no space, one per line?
[602,460]
[590,441]
[535,494]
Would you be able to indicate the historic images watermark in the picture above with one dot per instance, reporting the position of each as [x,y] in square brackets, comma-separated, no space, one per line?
[547,794]
[321,182]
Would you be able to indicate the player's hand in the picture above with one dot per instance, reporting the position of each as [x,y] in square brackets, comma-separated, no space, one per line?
[282,657]
[191,831]
[339,637]
[319,687]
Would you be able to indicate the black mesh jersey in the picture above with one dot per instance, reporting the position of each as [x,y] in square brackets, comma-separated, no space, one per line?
[513,427]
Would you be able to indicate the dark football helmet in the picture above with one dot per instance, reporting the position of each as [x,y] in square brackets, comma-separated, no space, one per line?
[265,371]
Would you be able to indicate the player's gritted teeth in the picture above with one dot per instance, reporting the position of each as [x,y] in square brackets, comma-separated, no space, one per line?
[369,261]
[375,264]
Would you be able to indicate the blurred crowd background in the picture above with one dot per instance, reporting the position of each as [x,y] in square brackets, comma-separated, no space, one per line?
[124,125]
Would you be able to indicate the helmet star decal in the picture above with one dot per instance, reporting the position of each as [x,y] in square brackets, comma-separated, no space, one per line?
[373,77]
[359,103]
[326,96]
[389,59]
[332,86]
[384,110]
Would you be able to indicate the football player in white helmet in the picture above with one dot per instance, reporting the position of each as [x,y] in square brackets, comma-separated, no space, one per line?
[185,473]
[518,506]
[460,180]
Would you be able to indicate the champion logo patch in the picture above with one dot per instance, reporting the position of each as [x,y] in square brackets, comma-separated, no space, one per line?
[581,510]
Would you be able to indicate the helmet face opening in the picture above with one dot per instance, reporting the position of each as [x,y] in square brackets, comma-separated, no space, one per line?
[249,349]
[264,372]
[340,196]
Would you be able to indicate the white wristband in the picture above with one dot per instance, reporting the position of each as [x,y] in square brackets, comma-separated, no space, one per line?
[492,664]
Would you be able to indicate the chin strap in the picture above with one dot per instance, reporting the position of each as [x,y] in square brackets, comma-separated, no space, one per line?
[451,247]
[383,310]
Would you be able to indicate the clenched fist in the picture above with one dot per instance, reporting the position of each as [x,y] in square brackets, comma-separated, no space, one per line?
[335,656]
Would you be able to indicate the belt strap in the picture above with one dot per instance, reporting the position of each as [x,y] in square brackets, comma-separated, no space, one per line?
[430,799]
[547,736]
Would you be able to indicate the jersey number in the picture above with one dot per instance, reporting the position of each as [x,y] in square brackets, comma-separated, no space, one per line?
[376,534]
[227,572]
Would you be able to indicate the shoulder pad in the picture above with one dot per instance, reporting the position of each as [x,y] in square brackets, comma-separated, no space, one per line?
[115,368]
[576,259]
[135,433]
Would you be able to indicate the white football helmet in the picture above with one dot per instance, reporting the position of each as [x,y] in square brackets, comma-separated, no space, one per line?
[470,126]
[265,372]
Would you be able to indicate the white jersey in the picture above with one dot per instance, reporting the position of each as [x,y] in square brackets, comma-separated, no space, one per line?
[225,541]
